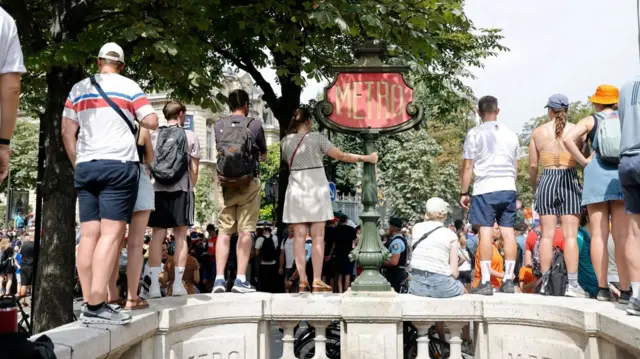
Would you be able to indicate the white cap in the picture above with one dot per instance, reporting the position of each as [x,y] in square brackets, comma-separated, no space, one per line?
[437,205]
[111,47]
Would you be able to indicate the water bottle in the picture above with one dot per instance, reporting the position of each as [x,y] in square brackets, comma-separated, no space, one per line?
[8,315]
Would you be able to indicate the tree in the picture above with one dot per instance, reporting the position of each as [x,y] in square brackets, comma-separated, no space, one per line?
[577,111]
[24,157]
[269,170]
[205,205]
[60,40]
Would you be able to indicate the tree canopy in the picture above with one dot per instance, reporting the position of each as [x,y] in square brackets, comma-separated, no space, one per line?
[205,206]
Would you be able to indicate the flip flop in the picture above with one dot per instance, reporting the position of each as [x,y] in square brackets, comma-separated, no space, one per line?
[303,287]
[138,304]
[321,287]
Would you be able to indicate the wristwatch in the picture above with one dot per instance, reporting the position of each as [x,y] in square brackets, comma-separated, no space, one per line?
[4,141]
[464,194]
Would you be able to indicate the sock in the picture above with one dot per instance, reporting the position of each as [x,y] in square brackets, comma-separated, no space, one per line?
[93,308]
[508,271]
[219,277]
[573,279]
[155,273]
[485,269]
[178,276]
[635,288]
[242,278]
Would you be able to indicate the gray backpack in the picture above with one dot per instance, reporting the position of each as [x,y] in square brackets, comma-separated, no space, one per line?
[608,138]
[171,156]
[235,163]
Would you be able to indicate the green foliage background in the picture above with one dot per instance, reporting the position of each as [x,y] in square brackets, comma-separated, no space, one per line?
[206,206]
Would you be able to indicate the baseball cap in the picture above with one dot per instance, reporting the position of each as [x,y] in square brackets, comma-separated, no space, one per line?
[558,101]
[111,47]
[437,205]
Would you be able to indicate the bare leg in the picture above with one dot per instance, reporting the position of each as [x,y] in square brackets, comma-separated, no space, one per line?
[134,252]
[340,282]
[89,235]
[181,252]
[112,288]
[619,230]
[300,231]
[317,252]
[485,243]
[155,246]
[570,224]
[104,258]
[548,224]
[222,253]
[347,282]
[9,283]
[243,252]
[599,225]
[510,244]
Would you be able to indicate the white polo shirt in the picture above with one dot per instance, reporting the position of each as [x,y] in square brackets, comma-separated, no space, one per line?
[11,60]
[495,151]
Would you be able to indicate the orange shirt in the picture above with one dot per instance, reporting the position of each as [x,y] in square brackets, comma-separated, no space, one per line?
[497,264]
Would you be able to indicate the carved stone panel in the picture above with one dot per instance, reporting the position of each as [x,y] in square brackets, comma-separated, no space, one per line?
[225,347]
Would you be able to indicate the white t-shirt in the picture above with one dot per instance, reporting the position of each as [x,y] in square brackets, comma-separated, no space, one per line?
[287,247]
[103,133]
[259,242]
[10,52]
[432,254]
[495,151]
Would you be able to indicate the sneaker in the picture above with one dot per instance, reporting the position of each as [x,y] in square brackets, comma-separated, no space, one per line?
[154,292]
[115,307]
[178,290]
[219,286]
[543,286]
[483,289]
[575,292]
[507,286]
[634,306]
[604,295]
[242,287]
[625,297]
[104,315]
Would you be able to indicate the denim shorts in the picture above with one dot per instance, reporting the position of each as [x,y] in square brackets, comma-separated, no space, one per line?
[107,189]
[490,207]
[629,172]
[144,201]
[426,284]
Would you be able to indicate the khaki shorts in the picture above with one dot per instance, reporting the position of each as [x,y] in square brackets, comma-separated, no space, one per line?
[240,208]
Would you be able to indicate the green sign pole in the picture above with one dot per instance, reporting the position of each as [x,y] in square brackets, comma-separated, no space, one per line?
[360,97]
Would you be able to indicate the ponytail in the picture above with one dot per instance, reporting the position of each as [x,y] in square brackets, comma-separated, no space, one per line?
[560,118]
[300,116]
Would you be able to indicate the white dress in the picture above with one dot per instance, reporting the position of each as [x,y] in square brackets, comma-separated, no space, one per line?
[307,199]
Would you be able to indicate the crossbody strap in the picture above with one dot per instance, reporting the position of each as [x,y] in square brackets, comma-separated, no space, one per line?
[113,105]
[415,245]
[296,149]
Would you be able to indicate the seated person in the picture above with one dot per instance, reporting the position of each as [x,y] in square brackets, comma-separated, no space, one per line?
[530,272]
[497,261]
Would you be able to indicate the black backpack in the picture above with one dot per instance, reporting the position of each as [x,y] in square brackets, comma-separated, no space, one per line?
[235,163]
[171,156]
[558,280]
[268,252]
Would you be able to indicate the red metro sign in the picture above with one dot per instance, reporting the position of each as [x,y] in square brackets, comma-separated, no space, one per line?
[369,100]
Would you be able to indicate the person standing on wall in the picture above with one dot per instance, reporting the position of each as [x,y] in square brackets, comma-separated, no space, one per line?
[240,144]
[491,152]
[11,69]
[558,192]
[307,202]
[99,123]
[175,171]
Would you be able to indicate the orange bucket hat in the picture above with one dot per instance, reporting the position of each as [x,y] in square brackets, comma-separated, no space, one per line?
[605,95]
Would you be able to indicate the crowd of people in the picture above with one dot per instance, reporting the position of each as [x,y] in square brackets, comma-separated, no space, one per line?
[16,259]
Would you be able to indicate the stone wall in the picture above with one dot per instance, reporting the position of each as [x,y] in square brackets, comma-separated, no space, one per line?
[236,326]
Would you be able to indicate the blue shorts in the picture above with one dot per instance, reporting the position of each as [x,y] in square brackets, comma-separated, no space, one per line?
[426,284]
[629,172]
[107,189]
[494,207]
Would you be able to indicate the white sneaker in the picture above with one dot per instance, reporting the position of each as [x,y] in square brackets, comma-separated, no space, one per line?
[575,292]
[178,290]
[154,291]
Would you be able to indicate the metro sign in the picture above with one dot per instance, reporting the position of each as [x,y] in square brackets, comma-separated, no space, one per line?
[369,100]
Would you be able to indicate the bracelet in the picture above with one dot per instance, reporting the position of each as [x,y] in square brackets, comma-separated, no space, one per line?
[4,141]
[464,194]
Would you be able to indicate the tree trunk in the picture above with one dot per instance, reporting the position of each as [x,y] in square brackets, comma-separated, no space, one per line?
[53,295]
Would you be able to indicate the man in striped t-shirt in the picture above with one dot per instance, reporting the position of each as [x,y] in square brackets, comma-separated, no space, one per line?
[102,148]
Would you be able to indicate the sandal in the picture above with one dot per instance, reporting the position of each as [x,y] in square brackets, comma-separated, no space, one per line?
[303,287]
[137,304]
[321,287]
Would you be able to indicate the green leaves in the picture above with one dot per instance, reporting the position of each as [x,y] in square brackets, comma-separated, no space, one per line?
[205,206]
[24,157]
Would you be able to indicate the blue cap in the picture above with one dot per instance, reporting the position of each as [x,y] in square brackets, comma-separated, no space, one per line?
[558,101]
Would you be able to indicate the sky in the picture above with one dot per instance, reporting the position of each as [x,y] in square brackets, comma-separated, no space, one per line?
[556,46]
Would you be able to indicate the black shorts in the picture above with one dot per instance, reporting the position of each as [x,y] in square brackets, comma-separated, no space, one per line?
[26,275]
[344,265]
[173,209]
[327,269]
[107,189]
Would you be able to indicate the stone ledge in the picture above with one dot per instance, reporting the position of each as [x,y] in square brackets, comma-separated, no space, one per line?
[584,317]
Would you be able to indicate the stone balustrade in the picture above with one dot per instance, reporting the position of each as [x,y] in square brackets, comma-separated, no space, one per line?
[235,326]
